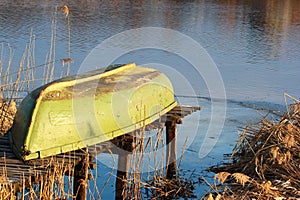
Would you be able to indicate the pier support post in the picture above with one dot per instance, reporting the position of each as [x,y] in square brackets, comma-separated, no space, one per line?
[122,175]
[171,124]
[81,178]
[123,149]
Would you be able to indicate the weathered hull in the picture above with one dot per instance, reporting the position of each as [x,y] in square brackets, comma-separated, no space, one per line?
[76,112]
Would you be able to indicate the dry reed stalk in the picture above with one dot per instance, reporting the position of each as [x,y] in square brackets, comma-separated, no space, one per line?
[6,79]
[51,184]
[162,188]
[66,11]
[94,191]
[45,184]
[51,56]
[155,185]
[69,44]
[7,113]
[265,162]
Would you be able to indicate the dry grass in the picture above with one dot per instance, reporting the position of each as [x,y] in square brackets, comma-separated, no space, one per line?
[7,114]
[265,162]
[159,187]
[153,184]
[14,85]
[51,182]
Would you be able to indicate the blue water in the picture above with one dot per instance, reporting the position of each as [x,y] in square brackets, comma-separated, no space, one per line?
[254,44]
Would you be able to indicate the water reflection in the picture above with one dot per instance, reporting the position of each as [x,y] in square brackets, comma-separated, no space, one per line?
[92,21]
[235,33]
[269,22]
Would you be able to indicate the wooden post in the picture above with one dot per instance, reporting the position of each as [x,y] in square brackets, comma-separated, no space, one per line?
[122,174]
[81,178]
[171,148]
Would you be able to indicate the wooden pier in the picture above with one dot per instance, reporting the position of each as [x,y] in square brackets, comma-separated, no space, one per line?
[77,163]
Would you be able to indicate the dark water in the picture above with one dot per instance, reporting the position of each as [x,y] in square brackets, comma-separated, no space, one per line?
[255,45]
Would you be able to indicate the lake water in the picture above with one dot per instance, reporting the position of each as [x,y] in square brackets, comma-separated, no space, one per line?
[255,46]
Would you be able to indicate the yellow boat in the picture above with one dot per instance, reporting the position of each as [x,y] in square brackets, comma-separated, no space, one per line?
[79,111]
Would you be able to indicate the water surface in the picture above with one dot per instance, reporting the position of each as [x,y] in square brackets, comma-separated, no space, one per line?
[255,45]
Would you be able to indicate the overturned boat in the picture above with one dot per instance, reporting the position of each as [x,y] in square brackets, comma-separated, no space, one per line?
[78,111]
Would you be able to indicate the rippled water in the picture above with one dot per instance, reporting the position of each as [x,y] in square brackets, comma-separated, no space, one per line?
[255,44]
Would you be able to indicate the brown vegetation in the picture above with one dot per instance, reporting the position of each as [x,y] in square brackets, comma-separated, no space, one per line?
[265,162]
[46,183]
[7,114]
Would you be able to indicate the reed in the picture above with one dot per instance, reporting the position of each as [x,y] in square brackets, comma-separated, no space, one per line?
[43,184]
[265,161]
[51,182]
[147,174]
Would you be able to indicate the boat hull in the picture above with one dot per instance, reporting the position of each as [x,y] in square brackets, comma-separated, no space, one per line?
[76,112]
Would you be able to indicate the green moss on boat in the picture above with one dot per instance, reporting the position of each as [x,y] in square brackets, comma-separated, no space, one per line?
[78,111]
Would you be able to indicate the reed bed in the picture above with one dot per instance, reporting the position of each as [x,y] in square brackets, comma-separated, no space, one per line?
[159,187]
[265,161]
[147,174]
[50,182]
[7,113]
[45,183]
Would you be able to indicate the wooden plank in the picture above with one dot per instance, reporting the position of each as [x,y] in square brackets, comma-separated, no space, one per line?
[8,155]
[10,161]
